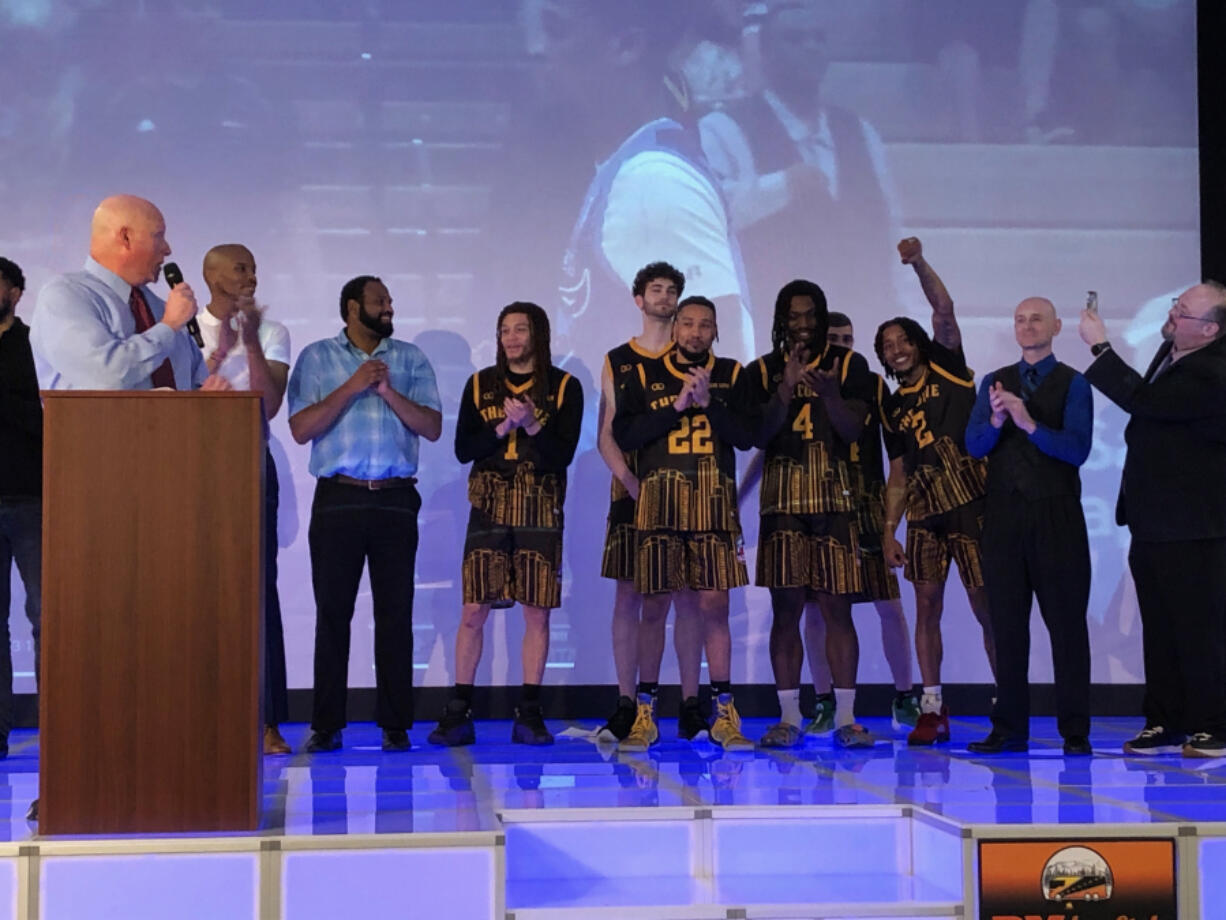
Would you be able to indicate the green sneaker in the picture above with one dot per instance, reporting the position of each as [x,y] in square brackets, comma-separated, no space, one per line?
[822,723]
[905,710]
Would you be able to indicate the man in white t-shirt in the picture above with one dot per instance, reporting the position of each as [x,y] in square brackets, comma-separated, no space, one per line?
[252,353]
[652,195]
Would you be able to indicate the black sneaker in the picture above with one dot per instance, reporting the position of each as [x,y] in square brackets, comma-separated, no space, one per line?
[396,740]
[1205,745]
[455,728]
[1154,740]
[323,742]
[529,726]
[620,723]
[692,722]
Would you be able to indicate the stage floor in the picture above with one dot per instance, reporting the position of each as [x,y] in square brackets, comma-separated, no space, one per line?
[361,790]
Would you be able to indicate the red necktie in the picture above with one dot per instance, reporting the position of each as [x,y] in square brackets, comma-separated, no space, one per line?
[163,376]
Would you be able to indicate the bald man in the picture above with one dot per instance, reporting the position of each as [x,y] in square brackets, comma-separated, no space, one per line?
[102,329]
[1033,421]
[252,353]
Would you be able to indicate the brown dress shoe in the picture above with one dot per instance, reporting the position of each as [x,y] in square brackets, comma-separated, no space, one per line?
[274,743]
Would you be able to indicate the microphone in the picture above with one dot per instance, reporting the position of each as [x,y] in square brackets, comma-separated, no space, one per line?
[173,276]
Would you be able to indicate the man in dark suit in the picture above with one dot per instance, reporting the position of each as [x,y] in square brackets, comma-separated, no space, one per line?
[1173,499]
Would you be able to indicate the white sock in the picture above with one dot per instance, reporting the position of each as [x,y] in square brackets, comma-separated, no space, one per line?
[844,706]
[931,700]
[789,706]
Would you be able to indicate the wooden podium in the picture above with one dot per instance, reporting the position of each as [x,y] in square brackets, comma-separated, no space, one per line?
[152,642]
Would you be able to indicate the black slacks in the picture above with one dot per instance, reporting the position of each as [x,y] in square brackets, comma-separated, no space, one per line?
[276,692]
[1181,590]
[1038,549]
[350,527]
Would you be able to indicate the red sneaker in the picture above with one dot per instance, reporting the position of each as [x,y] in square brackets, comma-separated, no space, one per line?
[932,728]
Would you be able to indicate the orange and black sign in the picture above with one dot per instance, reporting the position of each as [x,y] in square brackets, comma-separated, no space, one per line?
[1077,879]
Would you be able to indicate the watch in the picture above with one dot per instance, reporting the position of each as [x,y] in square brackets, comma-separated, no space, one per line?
[1098,349]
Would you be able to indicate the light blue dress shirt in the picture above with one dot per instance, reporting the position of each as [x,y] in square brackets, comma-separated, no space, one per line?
[367,440]
[84,337]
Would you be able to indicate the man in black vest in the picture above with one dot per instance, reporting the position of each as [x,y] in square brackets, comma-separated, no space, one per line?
[1033,421]
[1173,499]
[806,182]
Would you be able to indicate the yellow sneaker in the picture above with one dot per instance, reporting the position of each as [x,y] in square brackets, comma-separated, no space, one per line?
[726,726]
[644,732]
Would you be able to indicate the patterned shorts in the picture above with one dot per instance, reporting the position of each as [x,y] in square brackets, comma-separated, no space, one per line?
[702,560]
[819,552]
[504,565]
[880,582]
[955,535]
[620,542]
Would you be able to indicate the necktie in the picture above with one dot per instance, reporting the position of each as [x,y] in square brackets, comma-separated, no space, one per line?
[163,376]
[1030,382]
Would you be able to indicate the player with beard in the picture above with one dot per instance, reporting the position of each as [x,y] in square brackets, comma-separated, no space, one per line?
[933,478]
[808,544]
[880,583]
[519,426]
[685,416]
[363,399]
[656,289]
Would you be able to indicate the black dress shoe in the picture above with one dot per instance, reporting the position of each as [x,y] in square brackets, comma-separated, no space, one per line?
[396,739]
[998,743]
[1077,746]
[322,742]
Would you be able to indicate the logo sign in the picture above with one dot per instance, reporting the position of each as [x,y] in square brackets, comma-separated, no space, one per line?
[1077,879]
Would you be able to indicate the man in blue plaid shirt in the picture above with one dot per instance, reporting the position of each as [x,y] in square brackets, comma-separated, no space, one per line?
[363,399]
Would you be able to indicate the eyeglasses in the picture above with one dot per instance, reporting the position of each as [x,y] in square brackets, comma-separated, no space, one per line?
[1182,313]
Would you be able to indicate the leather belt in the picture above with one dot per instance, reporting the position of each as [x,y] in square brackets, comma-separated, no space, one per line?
[375,485]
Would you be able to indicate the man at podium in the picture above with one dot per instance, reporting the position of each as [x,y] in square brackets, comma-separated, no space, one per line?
[101,329]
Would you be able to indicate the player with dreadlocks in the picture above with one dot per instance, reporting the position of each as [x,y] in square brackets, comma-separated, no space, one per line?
[818,395]
[518,425]
[932,478]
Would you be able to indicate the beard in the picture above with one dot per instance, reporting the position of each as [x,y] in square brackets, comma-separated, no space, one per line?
[6,308]
[380,327]
[694,357]
[1168,331]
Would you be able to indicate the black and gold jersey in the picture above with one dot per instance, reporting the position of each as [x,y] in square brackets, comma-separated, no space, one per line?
[519,480]
[806,468]
[622,364]
[686,460]
[867,454]
[928,420]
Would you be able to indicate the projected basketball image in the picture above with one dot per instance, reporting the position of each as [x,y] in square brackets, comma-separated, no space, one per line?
[470,155]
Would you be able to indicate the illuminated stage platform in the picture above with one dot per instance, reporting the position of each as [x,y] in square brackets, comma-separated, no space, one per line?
[577,830]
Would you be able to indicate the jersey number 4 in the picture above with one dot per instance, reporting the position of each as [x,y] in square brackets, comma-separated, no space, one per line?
[803,424]
[693,437]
